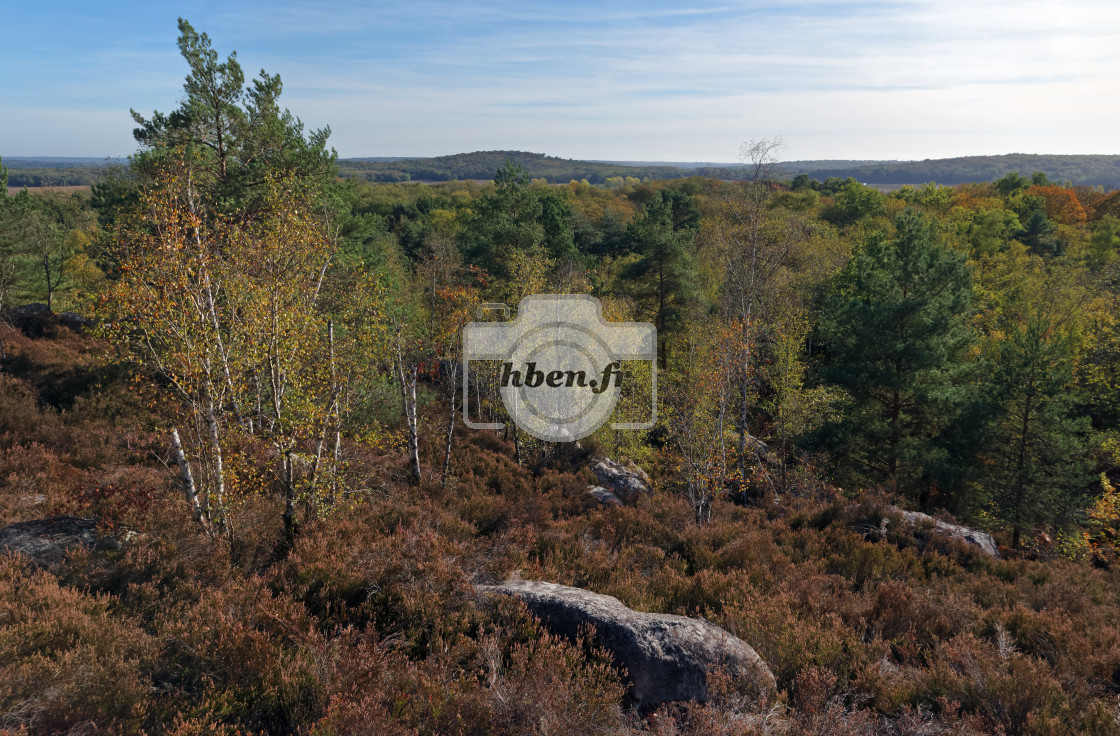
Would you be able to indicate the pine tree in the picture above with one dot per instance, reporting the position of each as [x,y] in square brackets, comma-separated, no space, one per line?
[234,136]
[506,224]
[895,329]
[662,281]
[1037,459]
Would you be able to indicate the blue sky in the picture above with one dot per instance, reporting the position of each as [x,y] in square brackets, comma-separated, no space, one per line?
[892,79]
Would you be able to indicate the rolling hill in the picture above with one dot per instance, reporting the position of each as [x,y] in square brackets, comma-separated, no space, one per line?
[1103,170]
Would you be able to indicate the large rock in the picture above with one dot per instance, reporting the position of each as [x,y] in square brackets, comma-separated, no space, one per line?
[603,496]
[48,542]
[73,320]
[626,483]
[667,657]
[34,310]
[981,540]
[36,320]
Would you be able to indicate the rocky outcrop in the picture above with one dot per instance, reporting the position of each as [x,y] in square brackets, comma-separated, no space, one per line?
[36,320]
[34,310]
[627,483]
[73,320]
[48,542]
[603,496]
[666,657]
[981,540]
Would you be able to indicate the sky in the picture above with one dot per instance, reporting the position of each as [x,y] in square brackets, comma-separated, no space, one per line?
[605,79]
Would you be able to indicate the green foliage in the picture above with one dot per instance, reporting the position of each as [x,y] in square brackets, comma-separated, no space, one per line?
[798,200]
[987,230]
[1104,242]
[1036,457]
[1011,183]
[662,281]
[853,202]
[1038,234]
[239,135]
[44,244]
[896,334]
[930,197]
[505,223]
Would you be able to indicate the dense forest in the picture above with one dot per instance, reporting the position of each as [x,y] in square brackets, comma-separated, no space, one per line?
[62,172]
[242,385]
[1103,171]
[1084,170]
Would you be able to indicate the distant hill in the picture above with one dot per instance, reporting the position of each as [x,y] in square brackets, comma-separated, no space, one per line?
[1079,169]
[38,171]
[56,162]
[484,164]
[55,171]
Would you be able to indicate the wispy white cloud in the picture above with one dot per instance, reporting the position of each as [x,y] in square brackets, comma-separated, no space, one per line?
[867,78]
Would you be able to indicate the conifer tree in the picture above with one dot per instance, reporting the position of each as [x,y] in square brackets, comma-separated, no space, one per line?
[662,280]
[1038,463]
[895,328]
[234,136]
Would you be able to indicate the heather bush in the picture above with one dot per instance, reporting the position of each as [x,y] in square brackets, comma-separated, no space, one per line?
[69,662]
[503,680]
[369,621]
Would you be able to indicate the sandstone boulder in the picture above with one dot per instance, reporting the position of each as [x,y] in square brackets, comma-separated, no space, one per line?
[667,657]
[47,542]
[627,483]
[981,540]
[73,320]
[603,496]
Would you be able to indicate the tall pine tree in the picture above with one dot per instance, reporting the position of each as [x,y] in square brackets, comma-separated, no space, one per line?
[1037,464]
[895,328]
[235,136]
[662,281]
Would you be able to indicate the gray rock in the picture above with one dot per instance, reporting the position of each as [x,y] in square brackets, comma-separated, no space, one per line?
[48,542]
[628,484]
[603,496]
[73,320]
[29,316]
[35,309]
[667,657]
[982,540]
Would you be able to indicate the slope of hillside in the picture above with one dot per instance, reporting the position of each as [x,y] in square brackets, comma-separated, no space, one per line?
[370,621]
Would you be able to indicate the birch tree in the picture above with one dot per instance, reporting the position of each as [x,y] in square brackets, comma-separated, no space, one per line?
[229,316]
[753,248]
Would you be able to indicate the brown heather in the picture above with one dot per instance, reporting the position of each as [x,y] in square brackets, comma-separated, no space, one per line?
[370,623]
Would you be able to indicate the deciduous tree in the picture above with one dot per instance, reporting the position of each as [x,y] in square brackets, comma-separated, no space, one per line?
[228,315]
